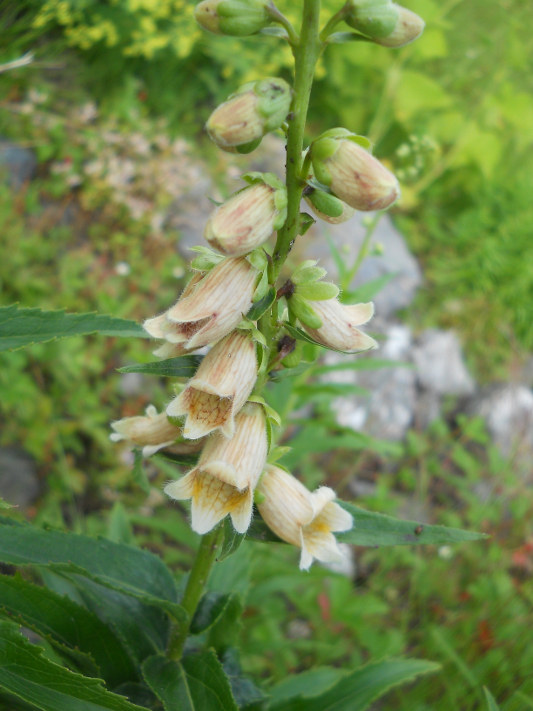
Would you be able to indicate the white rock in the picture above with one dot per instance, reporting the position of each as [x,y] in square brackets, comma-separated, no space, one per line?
[508,412]
[440,366]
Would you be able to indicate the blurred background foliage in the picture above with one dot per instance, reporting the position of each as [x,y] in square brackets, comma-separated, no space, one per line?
[452,115]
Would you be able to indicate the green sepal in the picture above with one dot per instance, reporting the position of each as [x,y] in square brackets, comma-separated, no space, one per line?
[245,148]
[303,311]
[274,101]
[334,133]
[307,275]
[261,290]
[270,179]
[327,204]
[248,325]
[374,18]
[259,497]
[306,222]
[319,291]
[258,259]
[207,259]
[345,37]
[277,453]
[270,413]
[294,358]
[241,19]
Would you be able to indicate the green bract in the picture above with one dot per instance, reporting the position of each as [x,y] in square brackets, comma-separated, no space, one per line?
[237,18]
[374,18]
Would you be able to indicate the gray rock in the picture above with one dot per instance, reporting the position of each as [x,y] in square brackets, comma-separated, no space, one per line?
[440,365]
[387,411]
[189,215]
[18,478]
[395,258]
[508,411]
[20,164]
[131,384]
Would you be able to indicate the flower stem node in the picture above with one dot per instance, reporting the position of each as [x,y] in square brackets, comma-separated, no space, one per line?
[329,208]
[153,432]
[258,107]
[249,217]
[209,309]
[384,22]
[219,389]
[343,163]
[237,18]
[307,520]
[338,326]
[227,473]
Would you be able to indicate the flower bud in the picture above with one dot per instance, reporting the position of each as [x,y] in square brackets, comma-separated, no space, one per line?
[152,433]
[237,18]
[239,124]
[352,173]
[305,519]
[328,207]
[338,329]
[226,475]
[211,309]
[219,389]
[247,219]
[385,22]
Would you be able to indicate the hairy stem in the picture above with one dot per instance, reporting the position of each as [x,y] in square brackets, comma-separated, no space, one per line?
[205,557]
[305,57]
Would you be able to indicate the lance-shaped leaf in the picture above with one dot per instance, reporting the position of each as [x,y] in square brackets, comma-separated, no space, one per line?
[22,327]
[247,695]
[68,627]
[28,675]
[180,367]
[259,308]
[197,683]
[374,529]
[356,691]
[232,540]
[125,568]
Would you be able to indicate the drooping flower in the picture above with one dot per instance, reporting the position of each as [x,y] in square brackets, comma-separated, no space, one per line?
[237,18]
[351,172]
[385,22]
[226,475]
[211,309]
[220,387]
[247,219]
[307,520]
[153,432]
[255,109]
[339,325]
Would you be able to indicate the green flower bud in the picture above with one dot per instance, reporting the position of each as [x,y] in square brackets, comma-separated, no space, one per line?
[246,220]
[237,18]
[239,124]
[384,22]
[328,207]
[352,174]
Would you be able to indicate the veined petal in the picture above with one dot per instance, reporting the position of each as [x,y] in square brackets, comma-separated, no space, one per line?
[183,488]
[321,498]
[339,323]
[150,430]
[214,500]
[335,518]
[321,545]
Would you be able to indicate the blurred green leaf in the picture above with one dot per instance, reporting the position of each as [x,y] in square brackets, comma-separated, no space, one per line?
[491,701]
[180,367]
[138,472]
[260,307]
[232,540]
[22,327]
[367,291]
[247,695]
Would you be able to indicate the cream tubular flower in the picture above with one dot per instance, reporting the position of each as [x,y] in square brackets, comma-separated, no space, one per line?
[226,475]
[338,330]
[211,310]
[307,520]
[245,221]
[152,432]
[219,389]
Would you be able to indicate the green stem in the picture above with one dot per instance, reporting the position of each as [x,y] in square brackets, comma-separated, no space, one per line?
[334,21]
[205,557]
[350,276]
[305,57]
[280,18]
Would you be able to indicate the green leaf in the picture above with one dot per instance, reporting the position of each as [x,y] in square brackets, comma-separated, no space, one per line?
[258,259]
[278,375]
[138,472]
[180,367]
[367,291]
[356,691]
[307,275]
[361,364]
[22,327]
[207,259]
[247,695]
[259,308]
[224,632]
[274,32]
[302,309]
[491,701]
[344,37]
[125,568]
[309,683]
[5,505]
[232,540]
[259,531]
[68,627]
[319,291]
[262,289]
[48,686]
[374,529]
[197,683]
[306,222]
[212,606]
[333,389]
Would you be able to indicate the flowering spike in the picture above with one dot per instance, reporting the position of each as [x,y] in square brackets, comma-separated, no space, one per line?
[226,475]
[352,173]
[338,330]
[254,110]
[210,310]
[219,389]
[246,220]
[307,520]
